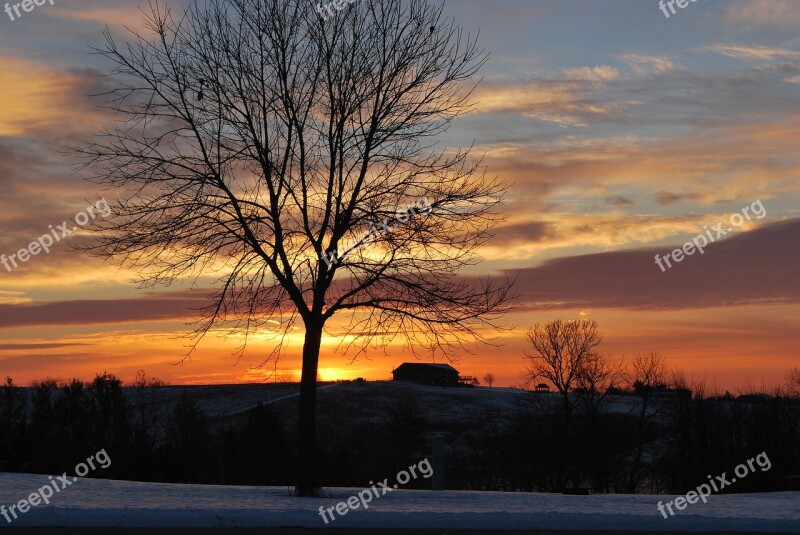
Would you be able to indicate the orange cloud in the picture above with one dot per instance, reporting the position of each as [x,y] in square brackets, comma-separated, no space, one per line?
[560,103]
[129,15]
[752,51]
[36,99]
[648,64]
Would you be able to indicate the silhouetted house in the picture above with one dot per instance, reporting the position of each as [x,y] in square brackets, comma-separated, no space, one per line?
[542,387]
[468,380]
[662,392]
[426,374]
[754,398]
[682,393]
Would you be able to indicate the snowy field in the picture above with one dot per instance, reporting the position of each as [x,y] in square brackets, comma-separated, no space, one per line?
[105,503]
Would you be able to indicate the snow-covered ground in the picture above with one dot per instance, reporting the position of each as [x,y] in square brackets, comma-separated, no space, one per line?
[104,503]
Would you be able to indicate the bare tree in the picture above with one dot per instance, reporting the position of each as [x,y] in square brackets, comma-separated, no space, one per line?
[647,375]
[280,151]
[596,380]
[678,380]
[598,376]
[149,393]
[488,379]
[561,352]
[648,372]
[283,376]
[793,382]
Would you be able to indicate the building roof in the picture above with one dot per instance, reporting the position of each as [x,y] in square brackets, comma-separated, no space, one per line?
[425,365]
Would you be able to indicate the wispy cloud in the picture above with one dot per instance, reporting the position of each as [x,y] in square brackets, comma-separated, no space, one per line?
[13,298]
[173,306]
[752,52]
[666,198]
[38,99]
[648,64]
[601,73]
[124,14]
[563,103]
[757,14]
[619,200]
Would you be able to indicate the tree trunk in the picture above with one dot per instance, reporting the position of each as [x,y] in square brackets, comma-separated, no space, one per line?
[307,482]
[564,446]
[637,460]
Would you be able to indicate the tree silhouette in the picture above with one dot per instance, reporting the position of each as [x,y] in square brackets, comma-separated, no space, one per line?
[647,375]
[488,379]
[561,352]
[793,382]
[295,158]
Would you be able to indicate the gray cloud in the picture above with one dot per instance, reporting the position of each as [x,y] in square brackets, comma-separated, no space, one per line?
[619,200]
[529,232]
[753,267]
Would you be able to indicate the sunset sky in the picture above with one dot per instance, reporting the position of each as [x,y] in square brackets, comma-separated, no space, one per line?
[623,132]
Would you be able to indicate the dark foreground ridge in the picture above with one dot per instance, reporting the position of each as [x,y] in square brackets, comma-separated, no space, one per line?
[335,531]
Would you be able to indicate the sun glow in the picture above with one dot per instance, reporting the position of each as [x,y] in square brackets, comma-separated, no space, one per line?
[334,374]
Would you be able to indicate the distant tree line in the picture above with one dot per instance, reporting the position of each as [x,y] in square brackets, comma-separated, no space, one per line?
[670,447]
[634,428]
[641,430]
[51,426]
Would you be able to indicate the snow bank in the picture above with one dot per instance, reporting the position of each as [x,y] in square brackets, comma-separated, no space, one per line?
[105,503]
